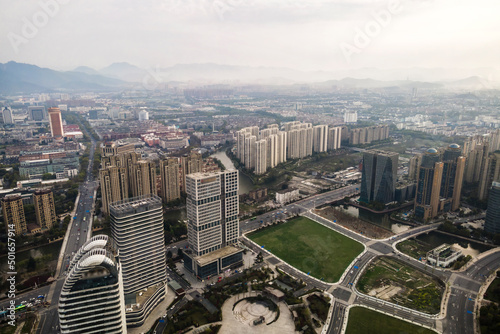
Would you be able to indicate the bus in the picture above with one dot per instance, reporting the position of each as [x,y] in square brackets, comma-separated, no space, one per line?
[20,307]
[253,218]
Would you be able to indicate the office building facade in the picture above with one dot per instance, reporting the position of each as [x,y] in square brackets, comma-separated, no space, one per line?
[37,113]
[137,231]
[213,224]
[92,299]
[492,220]
[378,178]
[7,116]
[56,127]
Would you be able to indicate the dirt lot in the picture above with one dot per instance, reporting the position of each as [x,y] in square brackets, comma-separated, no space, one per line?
[353,223]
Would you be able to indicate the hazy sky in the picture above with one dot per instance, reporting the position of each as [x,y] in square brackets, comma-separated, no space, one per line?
[301,34]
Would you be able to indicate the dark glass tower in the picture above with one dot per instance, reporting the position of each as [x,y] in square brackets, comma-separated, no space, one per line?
[492,223]
[378,180]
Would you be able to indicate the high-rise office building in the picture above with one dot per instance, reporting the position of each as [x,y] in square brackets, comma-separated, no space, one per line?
[170,186]
[260,157]
[213,225]
[492,220]
[429,185]
[45,208]
[334,138]
[37,113]
[378,178]
[137,230]
[56,127]
[92,299]
[143,178]
[114,185]
[13,214]
[7,116]
[320,138]
[489,173]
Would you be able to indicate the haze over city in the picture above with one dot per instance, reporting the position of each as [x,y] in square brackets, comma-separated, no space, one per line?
[298,34]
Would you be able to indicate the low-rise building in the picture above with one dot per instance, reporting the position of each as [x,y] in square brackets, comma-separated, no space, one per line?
[443,255]
[287,195]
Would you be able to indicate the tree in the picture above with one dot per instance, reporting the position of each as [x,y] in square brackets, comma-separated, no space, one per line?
[31,264]
[169,255]
[179,252]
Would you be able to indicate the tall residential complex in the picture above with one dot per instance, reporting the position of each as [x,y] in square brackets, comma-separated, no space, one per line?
[114,185]
[489,173]
[92,299]
[359,136]
[191,163]
[429,185]
[45,208]
[143,178]
[213,225]
[13,214]
[452,179]
[378,178]
[334,138]
[350,117]
[320,138]
[56,127]
[492,221]
[137,230]
[439,182]
[170,187]
[260,156]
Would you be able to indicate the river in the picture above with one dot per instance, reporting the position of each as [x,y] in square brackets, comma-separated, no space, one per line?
[245,183]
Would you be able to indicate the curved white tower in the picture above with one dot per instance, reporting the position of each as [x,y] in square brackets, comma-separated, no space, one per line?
[92,295]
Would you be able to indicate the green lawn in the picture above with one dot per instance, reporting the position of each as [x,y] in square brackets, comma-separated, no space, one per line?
[309,247]
[365,321]
[493,292]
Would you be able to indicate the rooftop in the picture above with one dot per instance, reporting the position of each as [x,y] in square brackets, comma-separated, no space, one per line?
[130,205]
[210,257]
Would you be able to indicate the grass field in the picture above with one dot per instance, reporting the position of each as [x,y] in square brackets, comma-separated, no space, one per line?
[309,247]
[365,321]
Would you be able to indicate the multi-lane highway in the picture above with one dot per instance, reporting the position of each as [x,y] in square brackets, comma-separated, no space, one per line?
[76,236]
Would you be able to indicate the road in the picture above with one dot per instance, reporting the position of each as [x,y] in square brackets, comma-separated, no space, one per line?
[298,207]
[80,229]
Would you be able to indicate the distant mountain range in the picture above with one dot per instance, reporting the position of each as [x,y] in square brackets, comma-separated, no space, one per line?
[18,77]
